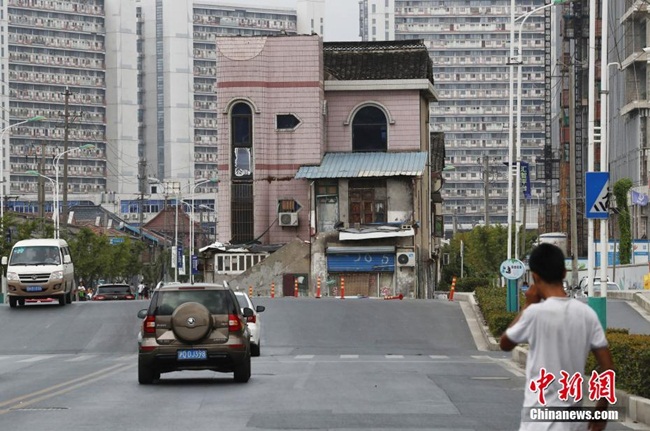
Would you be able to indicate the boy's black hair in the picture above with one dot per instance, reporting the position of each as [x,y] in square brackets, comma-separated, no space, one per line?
[547,261]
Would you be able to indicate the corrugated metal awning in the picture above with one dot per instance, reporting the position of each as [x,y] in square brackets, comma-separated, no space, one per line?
[385,249]
[358,165]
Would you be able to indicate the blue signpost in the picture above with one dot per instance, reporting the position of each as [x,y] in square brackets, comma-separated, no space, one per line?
[195,264]
[597,207]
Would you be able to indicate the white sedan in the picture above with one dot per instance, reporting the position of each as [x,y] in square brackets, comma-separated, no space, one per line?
[611,287]
[254,324]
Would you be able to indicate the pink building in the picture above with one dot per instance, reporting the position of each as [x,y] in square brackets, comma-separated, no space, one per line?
[330,143]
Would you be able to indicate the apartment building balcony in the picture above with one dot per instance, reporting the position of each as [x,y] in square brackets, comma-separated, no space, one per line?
[55,97]
[640,105]
[55,42]
[57,133]
[75,7]
[56,79]
[635,10]
[80,63]
[205,140]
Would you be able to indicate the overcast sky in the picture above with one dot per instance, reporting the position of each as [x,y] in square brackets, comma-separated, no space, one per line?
[341,16]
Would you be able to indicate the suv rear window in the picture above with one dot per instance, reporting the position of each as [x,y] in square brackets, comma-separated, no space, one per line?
[217,301]
[114,289]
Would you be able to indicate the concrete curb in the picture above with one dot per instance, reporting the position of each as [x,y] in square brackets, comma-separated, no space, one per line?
[637,409]
[490,342]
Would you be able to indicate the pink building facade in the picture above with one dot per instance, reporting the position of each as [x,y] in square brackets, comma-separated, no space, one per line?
[330,143]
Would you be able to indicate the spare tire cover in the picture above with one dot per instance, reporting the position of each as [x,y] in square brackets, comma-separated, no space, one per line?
[191,322]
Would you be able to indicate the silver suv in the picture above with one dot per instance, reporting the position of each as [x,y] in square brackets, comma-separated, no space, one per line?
[194,327]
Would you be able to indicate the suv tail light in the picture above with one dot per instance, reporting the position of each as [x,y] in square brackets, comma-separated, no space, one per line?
[234,324]
[251,319]
[149,325]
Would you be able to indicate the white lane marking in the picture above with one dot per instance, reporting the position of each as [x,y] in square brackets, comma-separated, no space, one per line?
[439,356]
[36,359]
[349,356]
[304,356]
[80,358]
[506,363]
[394,356]
[125,358]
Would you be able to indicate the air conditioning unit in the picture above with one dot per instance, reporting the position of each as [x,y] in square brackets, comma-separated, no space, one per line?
[405,258]
[288,219]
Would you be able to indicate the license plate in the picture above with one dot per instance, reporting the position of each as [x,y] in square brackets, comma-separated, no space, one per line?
[191,355]
[34,288]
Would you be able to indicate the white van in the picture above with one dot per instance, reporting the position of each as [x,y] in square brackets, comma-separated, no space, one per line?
[38,269]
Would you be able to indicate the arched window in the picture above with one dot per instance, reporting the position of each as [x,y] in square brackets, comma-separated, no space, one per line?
[241,133]
[369,130]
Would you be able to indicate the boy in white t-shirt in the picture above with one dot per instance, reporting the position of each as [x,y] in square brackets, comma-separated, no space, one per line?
[560,332]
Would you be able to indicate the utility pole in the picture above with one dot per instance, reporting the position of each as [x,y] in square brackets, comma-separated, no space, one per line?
[66,132]
[41,188]
[142,178]
[573,217]
[486,189]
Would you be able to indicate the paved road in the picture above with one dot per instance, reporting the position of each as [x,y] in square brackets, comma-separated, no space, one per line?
[326,364]
[623,314]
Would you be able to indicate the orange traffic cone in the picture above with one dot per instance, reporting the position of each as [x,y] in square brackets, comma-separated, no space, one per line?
[453,289]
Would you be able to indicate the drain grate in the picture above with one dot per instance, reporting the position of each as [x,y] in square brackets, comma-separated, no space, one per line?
[37,409]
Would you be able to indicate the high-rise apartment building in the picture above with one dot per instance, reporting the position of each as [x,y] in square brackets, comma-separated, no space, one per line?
[469,43]
[53,70]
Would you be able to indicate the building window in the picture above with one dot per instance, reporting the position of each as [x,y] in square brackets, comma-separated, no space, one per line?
[367,201]
[242,209]
[288,206]
[242,142]
[286,122]
[369,130]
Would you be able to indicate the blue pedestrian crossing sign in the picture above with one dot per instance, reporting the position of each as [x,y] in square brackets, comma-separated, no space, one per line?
[597,195]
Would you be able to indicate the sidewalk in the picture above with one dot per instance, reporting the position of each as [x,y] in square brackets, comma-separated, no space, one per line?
[637,408]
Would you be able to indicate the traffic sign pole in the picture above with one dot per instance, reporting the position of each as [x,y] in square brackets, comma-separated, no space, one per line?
[512,296]
[512,270]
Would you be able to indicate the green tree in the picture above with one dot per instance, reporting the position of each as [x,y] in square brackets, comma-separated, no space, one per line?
[484,248]
[16,229]
[95,258]
[621,188]
[88,252]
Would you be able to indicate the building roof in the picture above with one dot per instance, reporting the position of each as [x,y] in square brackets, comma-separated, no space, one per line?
[396,59]
[360,165]
[89,213]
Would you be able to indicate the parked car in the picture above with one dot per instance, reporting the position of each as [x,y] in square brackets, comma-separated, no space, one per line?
[194,327]
[253,322]
[611,287]
[582,284]
[113,292]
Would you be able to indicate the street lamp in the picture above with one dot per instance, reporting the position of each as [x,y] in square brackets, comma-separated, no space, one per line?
[514,160]
[57,159]
[515,140]
[38,174]
[200,183]
[2,164]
